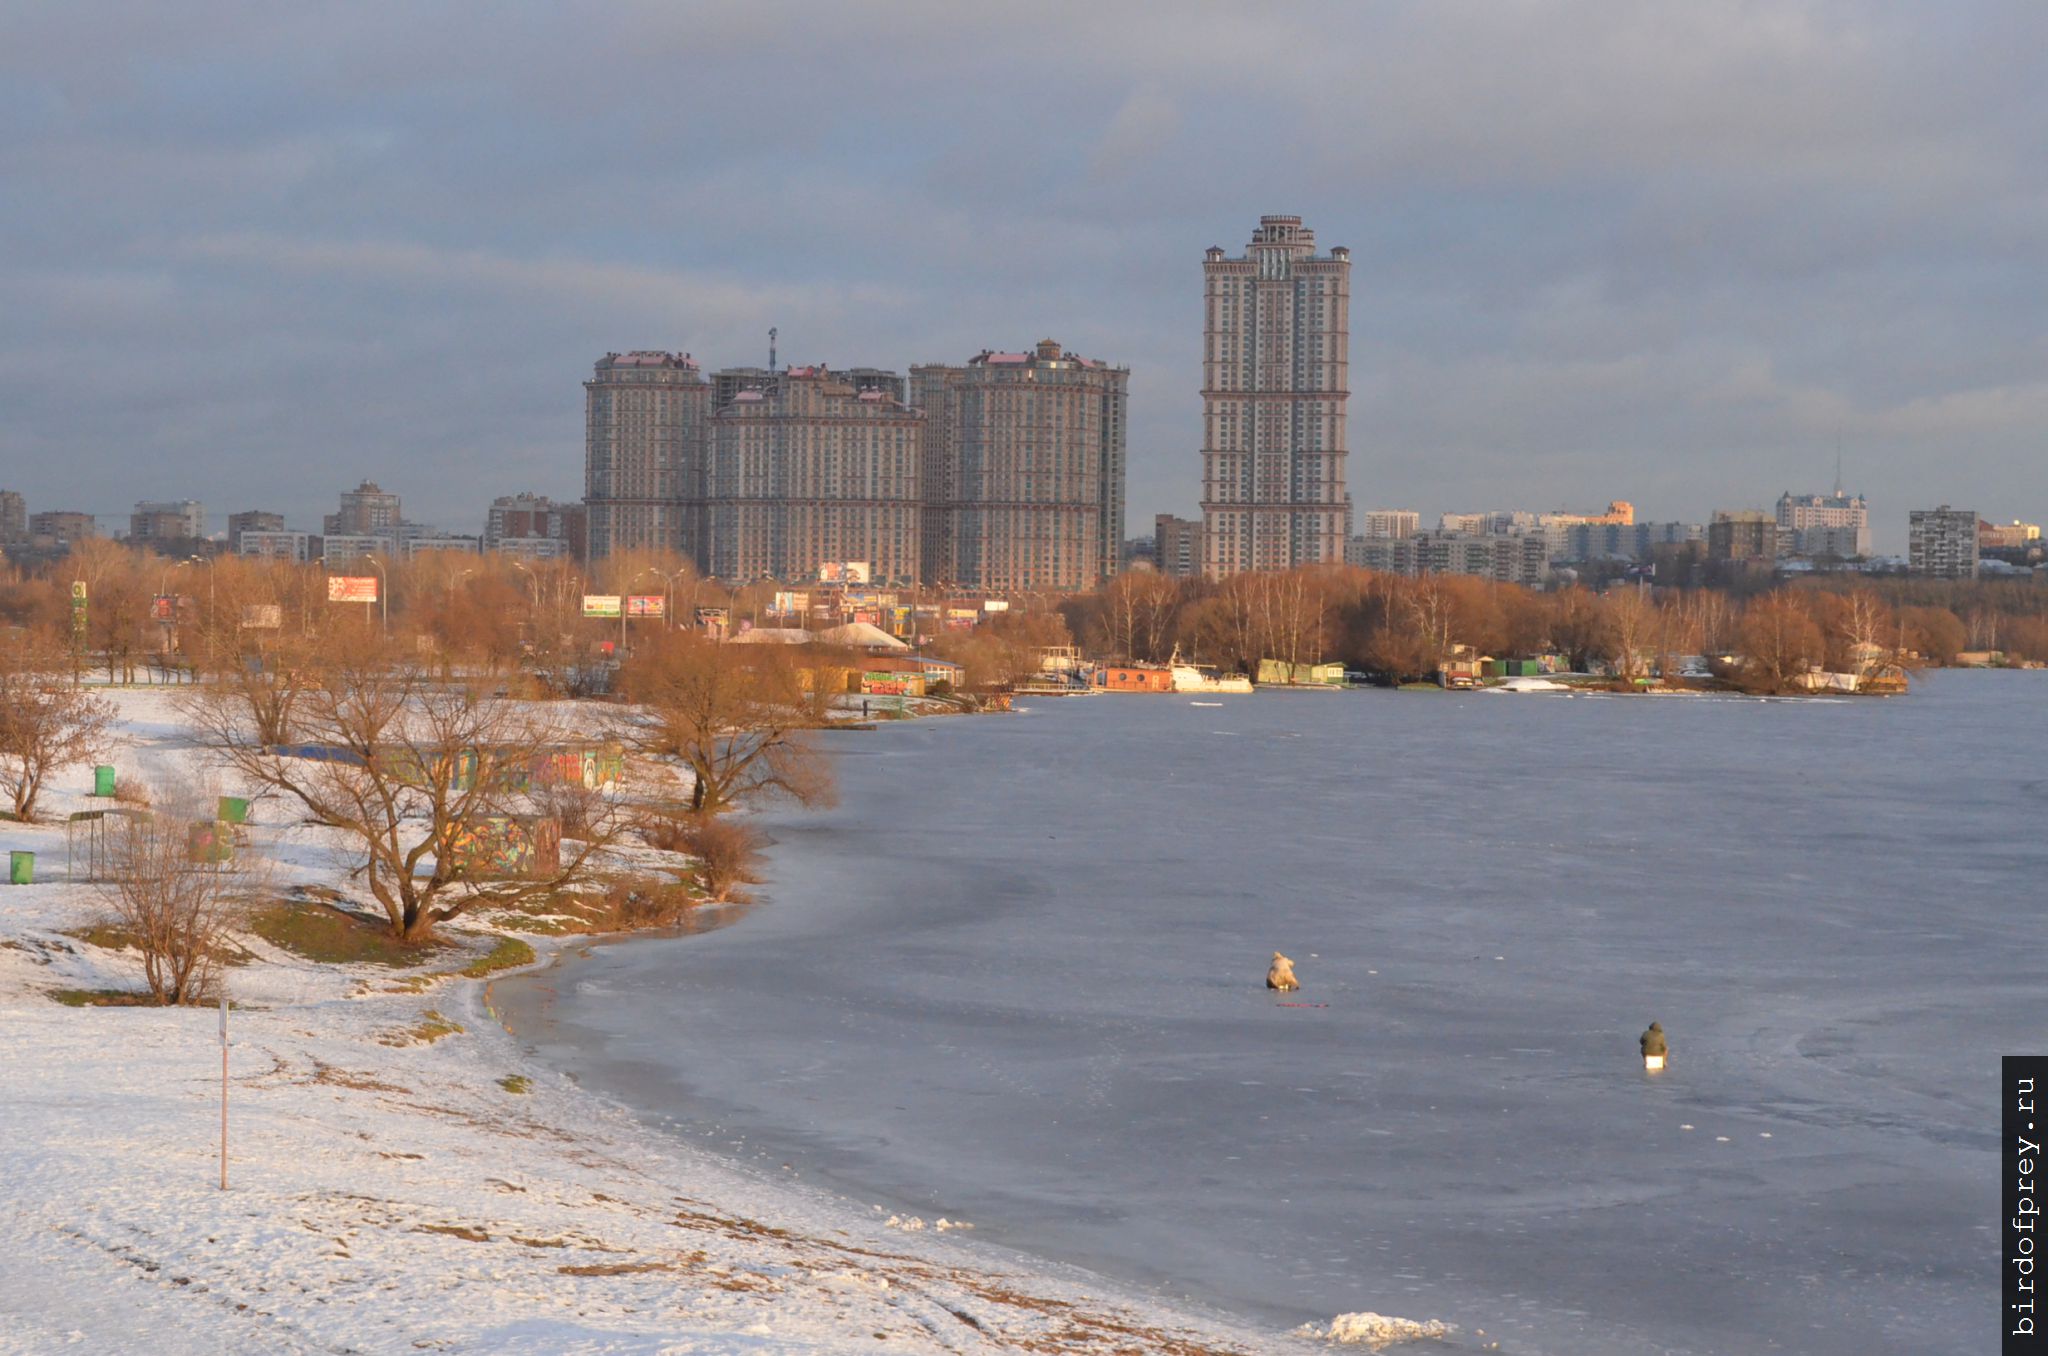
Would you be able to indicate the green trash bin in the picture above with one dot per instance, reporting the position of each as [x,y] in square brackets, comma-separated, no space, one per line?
[233,810]
[103,781]
[21,868]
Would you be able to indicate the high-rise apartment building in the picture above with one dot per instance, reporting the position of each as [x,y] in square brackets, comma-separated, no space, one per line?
[366,511]
[1177,548]
[1942,542]
[809,469]
[1389,523]
[63,527]
[1275,378]
[255,520]
[646,419]
[1825,524]
[1023,479]
[13,516]
[1742,535]
[172,520]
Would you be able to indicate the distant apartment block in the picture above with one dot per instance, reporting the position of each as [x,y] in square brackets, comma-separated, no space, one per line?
[1389,523]
[172,520]
[535,527]
[1022,478]
[62,527]
[1825,524]
[13,516]
[1619,541]
[646,430]
[1510,558]
[1177,546]
[1942,542]
[261,543]
[343,548]
[810,470]
[422,540]
[366,510]
[1742,535]
[2014,535]
[255,520]
[1275,379]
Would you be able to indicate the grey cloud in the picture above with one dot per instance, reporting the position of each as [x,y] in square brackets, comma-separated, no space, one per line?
[1670,252]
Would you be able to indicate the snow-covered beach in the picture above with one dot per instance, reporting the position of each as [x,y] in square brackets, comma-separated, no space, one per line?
[403,1177]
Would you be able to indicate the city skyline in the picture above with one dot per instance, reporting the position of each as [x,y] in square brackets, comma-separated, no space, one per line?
[1745,240]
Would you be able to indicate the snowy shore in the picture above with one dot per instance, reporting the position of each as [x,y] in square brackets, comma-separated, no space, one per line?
[396,1184]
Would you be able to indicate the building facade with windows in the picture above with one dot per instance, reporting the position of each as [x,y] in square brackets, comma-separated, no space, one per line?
[168,520]
[1023,476]
[1942,542]
[1825,524]
[646,421]
[365,510]
[811,469]
[1275,379]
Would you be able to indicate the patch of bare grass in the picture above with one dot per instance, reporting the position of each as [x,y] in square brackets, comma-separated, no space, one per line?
[331,936]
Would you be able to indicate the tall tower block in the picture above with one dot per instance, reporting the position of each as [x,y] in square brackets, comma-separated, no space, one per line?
[1275,378]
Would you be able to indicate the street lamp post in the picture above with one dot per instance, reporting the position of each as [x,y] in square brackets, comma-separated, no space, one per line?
[383,592]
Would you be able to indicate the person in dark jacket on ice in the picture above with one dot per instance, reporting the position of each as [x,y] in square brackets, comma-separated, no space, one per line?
[1654,1050]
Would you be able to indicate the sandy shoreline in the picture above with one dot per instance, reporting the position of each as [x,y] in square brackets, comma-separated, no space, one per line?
[392,1192]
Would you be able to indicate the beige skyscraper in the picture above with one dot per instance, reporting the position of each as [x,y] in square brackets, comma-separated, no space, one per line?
[646,415]
[1275,378]
[810,469]
[1024,469]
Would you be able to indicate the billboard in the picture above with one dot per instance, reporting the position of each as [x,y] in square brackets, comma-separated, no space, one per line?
[995,605]
[601,604]
[262,617]
[351,588]
[644,605]
[713,619]
[787,602]
[845,572]
[164,607]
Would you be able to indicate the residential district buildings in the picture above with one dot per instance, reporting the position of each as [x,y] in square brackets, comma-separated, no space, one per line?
[1275,379]
[1824,525]
[811,469]
[1942,542]
[178,520]
[1023,476]
[1002,473]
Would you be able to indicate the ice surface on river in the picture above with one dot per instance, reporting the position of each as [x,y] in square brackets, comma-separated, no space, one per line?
[1018,976]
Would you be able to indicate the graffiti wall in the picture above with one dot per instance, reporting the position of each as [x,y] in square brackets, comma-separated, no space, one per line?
[508,847]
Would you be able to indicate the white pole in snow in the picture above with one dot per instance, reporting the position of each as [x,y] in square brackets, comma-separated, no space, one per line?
[223,1087]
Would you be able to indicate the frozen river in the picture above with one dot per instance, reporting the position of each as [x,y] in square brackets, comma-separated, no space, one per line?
[1017,978]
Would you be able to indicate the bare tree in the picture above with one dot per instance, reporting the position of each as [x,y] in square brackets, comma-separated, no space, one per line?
[46,719]
[177,886]
[1779,642]
[734,715]
[1627,619]
[426,778]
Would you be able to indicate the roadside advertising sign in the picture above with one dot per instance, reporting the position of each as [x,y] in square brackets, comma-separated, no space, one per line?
[845,572]
[995,605]
[262,617]
[787,601]
[601,604]
[351,588]
[164,607]
[645,605]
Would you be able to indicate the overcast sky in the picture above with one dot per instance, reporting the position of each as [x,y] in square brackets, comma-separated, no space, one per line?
[1669,252]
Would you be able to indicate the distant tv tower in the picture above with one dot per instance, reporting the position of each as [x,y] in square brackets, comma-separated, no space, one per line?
[771,354]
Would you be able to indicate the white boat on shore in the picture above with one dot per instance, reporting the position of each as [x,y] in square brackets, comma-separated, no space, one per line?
[1189,678]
